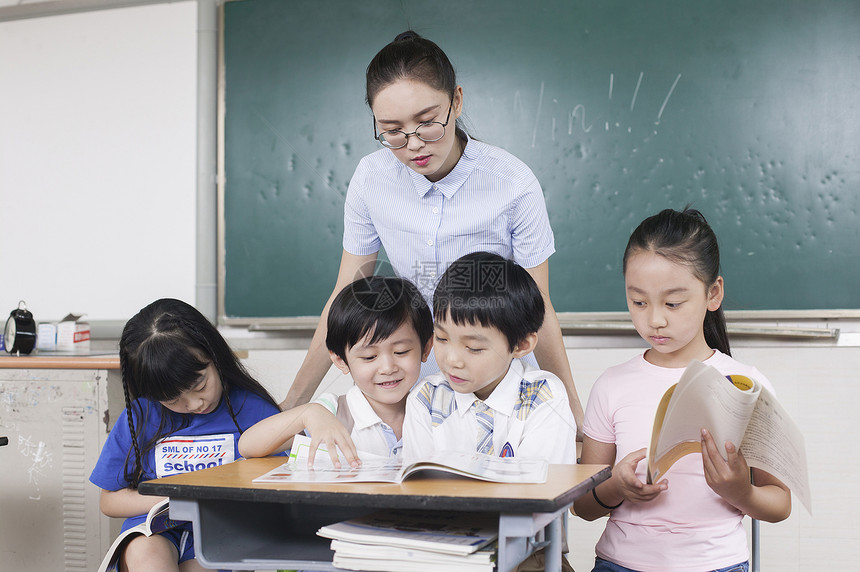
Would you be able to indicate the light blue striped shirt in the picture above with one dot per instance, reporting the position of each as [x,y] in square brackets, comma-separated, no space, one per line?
[491,201]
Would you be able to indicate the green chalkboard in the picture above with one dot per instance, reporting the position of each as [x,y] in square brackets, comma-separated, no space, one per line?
[748,110]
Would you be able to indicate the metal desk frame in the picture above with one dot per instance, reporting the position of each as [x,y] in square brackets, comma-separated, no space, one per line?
[239,525]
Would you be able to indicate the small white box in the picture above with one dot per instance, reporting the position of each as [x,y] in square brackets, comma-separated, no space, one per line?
[46,336]
[73,333]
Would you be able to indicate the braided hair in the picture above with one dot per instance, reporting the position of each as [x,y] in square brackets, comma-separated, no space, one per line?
[162,351]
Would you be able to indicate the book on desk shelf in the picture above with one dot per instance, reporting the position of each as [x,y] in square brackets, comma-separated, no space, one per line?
[732,408]
[393,539]
[353,556]
[360,556]
[375,469]
[157,520]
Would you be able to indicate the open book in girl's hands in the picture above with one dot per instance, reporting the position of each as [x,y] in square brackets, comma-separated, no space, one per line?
[732,408]
[394,470]
[157,520]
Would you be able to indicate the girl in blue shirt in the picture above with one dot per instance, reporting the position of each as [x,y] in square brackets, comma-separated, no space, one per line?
[188,398]
[432,194]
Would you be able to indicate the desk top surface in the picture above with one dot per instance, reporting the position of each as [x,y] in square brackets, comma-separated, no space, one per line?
[233,482]
[59,360]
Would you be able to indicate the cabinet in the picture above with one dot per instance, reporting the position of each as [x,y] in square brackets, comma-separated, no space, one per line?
[55,414]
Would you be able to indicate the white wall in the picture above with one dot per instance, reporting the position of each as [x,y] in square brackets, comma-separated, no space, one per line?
[97,160]
[819,387]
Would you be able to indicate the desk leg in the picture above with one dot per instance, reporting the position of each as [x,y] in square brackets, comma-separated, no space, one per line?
[553,551]
[521,534]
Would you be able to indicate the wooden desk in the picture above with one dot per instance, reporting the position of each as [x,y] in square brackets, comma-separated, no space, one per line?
[242,525]
[57,360]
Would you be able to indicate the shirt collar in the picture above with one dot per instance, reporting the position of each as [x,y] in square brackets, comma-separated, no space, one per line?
[453,181]
[362,413]
[503,398]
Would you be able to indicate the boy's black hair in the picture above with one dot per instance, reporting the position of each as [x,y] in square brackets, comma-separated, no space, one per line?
[162,351]
[487,289]
[376,305]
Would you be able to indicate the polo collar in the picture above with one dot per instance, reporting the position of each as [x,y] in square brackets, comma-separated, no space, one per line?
[362,413]
[453,181]
[503,398]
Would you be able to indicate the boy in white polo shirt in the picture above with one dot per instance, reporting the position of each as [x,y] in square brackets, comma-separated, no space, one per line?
[488,311]
[379,332]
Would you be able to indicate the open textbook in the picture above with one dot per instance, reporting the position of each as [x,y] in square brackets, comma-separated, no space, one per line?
[732,408]
[157,520]
[395,470]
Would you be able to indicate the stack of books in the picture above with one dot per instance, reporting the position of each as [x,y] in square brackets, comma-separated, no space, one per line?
[415,541]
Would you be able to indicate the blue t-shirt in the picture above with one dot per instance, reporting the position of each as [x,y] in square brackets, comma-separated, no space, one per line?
[207,441]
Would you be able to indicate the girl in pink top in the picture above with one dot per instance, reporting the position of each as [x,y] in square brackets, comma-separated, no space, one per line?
[691,521]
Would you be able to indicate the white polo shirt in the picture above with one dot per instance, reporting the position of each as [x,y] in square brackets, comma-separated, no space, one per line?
[369,433]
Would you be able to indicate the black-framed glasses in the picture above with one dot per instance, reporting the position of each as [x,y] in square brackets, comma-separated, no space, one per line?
[428,132]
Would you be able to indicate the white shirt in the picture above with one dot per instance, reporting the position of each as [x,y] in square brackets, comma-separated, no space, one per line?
[369,433]
[531,417]
[491,201]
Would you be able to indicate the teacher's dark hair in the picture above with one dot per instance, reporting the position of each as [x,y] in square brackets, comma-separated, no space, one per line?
[685,238]
[409,56]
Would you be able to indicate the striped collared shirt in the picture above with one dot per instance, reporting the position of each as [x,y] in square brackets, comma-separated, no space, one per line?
[491,201]
[532,417]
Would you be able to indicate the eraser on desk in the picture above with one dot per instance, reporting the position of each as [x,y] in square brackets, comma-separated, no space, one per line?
[73,333]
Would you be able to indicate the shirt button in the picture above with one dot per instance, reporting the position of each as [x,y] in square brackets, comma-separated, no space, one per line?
[429,243]
[435,210]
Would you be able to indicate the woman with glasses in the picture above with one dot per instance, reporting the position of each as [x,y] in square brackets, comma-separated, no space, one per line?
[433,194]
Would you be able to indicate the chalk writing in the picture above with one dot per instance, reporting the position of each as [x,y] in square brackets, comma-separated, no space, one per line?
[636,91]
[668,95]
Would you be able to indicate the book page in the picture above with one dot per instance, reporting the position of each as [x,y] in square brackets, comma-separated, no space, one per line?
[773,443]
[376,469]
[387,471]
[483,467]
[702,398]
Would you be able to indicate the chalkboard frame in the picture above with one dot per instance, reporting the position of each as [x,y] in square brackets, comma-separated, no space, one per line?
[573,320]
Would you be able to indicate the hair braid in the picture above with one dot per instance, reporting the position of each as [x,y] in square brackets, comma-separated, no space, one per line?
[210,351]
[135,474]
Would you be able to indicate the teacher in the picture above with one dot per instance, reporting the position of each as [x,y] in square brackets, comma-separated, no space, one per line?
[433,194]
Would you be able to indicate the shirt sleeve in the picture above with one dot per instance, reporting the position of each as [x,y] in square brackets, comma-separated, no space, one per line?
[532,238]
[553,418]
[359,233]
[598,423]
[109,472]
[417,428]
[327,400]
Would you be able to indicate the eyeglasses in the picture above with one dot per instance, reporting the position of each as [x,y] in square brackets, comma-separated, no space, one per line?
[428,132]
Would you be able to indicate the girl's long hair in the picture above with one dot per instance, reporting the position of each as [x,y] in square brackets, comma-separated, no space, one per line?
[162,351]
[686,238]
